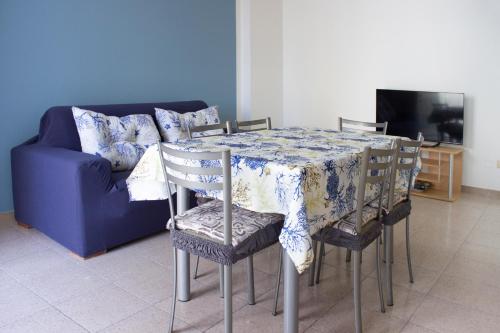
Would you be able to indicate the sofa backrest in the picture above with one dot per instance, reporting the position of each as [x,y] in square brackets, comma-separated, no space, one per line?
[58,129]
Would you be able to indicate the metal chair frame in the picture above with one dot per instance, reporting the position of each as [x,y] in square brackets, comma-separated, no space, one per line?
[362,126]
[205,128]
[225,186]
[369,163]
[200,129]
[404,160]
[245,126]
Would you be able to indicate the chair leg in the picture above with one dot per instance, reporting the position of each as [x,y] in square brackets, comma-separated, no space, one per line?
[195,276]
[348,256]
[323,253]
[379,277]
[228,299]
[388,264]
[221,280]
[250,281]
[320,260]
[312,269]
[408,254]
[358,324]
[278,281]
[174,296]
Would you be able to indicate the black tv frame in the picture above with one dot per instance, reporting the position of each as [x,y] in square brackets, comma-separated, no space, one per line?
[434,143]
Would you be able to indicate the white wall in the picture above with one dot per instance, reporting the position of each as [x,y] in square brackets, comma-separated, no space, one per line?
[336,53]
[260,60]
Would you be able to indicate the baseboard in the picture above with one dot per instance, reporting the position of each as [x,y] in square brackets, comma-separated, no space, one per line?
[7,217]
[481,191]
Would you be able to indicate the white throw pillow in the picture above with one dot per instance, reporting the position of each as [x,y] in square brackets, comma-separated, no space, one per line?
[174,125]
[121,140]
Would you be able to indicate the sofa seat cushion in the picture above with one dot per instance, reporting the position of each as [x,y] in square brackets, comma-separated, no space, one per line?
[121,140]
[174,125]
[208,220]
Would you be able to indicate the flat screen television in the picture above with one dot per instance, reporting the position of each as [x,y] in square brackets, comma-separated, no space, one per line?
[438,115]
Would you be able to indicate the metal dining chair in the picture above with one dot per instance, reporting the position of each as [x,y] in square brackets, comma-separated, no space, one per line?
[210,130]
[362,227]
[398,204]
[248,125]
[220,128]
[362,126]
[207,131]
[217,230]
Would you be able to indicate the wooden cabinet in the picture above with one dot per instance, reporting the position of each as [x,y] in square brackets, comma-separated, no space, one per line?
[442,167]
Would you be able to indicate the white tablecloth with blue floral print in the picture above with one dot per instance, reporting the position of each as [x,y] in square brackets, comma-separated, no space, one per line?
[309,175]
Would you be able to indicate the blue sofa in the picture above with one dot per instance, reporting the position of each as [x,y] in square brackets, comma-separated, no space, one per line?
[74,197]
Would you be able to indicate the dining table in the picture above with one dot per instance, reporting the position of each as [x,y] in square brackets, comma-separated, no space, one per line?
[310,175]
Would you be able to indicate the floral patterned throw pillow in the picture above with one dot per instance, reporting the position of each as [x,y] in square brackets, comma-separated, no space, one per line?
[174,125]
[121,140]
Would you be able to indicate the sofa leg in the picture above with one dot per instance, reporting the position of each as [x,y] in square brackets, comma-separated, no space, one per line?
[93,255]
[24,225]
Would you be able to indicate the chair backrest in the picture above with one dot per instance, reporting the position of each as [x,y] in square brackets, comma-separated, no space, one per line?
[214,127]
[362,126]
[375,170]
[247,125]
[405,162]
[216,177]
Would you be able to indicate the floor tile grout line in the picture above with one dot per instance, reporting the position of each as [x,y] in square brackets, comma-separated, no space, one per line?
[410,323]
[51,303]
[31,291]
[465,306]
[69,318]
[109,284]
[443,270]
[128,317]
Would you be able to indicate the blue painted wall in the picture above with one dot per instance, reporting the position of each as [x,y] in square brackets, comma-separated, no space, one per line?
[66,52]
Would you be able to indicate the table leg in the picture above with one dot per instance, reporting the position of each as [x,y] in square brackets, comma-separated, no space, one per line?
[183,267]
[291,292]
[388,264]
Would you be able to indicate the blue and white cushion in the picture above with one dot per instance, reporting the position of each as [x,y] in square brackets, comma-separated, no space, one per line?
[121,140]
[174,125]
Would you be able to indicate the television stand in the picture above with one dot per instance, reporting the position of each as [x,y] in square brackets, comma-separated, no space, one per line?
[442,168]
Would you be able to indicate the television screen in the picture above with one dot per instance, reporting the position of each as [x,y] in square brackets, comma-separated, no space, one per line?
[438,115]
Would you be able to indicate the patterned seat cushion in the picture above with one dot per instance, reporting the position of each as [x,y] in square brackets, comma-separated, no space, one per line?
[348,223]
[398,213]
[333,236]
[399,196]
[208,220]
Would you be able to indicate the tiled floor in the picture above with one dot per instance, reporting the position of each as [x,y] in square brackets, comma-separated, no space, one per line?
[456,250]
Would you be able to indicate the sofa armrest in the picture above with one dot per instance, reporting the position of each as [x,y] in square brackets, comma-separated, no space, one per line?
[57,166]
[57,190]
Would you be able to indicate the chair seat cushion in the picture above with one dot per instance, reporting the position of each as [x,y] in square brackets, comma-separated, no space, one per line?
[399,196]
[200,232]
[208,219]
[398,212]
[334,236]
[348,223]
